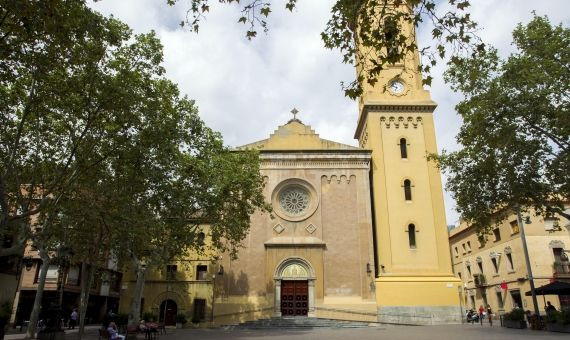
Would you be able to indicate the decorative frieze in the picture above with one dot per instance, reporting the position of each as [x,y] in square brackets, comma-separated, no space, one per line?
[400,121]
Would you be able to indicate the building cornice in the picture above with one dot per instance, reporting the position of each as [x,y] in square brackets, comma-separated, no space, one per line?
[423,107]
[316,160]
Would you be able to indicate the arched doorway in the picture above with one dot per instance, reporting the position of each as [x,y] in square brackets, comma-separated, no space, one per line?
[294,288]
[168,311]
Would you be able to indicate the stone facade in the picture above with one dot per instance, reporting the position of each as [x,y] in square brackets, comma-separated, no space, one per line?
[483,267]
[330,236]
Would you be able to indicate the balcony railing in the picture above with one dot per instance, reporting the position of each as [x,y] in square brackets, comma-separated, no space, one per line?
[561,267]
[479,280]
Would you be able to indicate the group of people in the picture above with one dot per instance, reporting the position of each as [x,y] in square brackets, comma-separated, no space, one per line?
[147,328]
[473,316]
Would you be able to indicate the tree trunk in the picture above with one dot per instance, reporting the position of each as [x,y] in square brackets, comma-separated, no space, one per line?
[135,311]
[87,273]
[34,317]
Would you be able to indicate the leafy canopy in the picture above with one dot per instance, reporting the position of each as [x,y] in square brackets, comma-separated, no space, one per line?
[516,128]
[101,149]
[357,27]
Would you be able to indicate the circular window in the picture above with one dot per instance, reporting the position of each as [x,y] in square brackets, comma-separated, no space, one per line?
[294,200]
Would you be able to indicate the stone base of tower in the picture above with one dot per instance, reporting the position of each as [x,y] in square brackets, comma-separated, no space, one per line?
[419,300]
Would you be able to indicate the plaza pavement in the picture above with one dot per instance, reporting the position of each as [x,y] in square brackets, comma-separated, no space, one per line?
[447,332]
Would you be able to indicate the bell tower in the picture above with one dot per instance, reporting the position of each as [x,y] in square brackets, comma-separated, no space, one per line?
[414,281]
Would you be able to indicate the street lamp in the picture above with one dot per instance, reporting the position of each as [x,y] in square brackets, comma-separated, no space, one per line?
[220,273]
[527,260]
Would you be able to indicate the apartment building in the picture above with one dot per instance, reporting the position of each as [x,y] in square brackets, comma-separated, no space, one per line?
[494,271]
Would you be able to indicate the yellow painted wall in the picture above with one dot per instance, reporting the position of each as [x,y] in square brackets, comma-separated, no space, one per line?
[540,242]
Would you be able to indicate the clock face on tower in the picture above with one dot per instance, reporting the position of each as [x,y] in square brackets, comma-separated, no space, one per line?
[396,86]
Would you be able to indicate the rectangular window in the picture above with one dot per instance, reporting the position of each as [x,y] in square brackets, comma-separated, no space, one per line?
[500,300]
[468,246]
[469,270]
[557,254]
[480,265]
[551,224]
[456,252]
[497,234]
[514,227]
[495,265]
[459,275]
[201,272]
[510,260]
[171,270]
[200,309]
[73,276]
[464,249]
[52,273]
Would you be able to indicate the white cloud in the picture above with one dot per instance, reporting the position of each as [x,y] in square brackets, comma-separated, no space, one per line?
[245,89]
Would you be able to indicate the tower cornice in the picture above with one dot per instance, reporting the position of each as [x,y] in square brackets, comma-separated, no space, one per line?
[421,107]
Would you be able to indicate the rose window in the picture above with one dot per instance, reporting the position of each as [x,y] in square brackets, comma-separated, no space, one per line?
[294,201]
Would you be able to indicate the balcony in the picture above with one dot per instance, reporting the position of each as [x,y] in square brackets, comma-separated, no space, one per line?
[479,280]
[561,268]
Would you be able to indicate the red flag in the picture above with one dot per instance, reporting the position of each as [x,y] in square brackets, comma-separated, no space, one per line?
[504,285]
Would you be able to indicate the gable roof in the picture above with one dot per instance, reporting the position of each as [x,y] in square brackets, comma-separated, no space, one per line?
[296,136]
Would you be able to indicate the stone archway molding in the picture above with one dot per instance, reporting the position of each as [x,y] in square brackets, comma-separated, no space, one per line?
[168,295]
[294,268]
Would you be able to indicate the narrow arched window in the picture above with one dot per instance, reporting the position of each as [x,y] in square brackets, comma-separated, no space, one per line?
[391,33]
[403,148]
[201,239]
[412,235]
[408,190]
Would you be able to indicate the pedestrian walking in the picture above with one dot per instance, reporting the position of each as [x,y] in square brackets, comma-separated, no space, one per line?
[481,314]
[73,319]
[490,315]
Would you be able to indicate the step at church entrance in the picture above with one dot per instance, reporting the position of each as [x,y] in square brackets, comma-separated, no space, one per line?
[294,298]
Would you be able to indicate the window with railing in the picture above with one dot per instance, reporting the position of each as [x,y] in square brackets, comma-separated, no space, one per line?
[561,264]
[479,280]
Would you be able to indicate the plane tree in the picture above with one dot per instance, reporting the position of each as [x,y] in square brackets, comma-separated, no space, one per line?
[515,135]
[99,152]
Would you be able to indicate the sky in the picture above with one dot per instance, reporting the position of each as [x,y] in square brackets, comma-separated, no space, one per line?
[246,89]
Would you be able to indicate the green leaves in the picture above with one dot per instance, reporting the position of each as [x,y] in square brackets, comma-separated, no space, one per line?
[516,131]
[101,148]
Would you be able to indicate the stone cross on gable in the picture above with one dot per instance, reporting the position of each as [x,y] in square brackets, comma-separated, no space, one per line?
[294,112]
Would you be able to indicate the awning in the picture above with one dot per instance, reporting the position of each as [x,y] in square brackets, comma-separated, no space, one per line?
[553,288]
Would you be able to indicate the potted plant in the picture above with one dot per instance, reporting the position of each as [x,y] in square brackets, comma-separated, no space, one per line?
[558,321]
[5,311]
[514,319]
[195,321]
[180,320]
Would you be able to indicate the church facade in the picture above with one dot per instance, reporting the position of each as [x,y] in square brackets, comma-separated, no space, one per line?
[357,233]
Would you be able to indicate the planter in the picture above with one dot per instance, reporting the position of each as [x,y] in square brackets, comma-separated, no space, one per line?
[557,327]
[519,324]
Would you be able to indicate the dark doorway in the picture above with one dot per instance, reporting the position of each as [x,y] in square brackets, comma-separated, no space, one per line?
[294,298]
[168,311]
[517,301]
